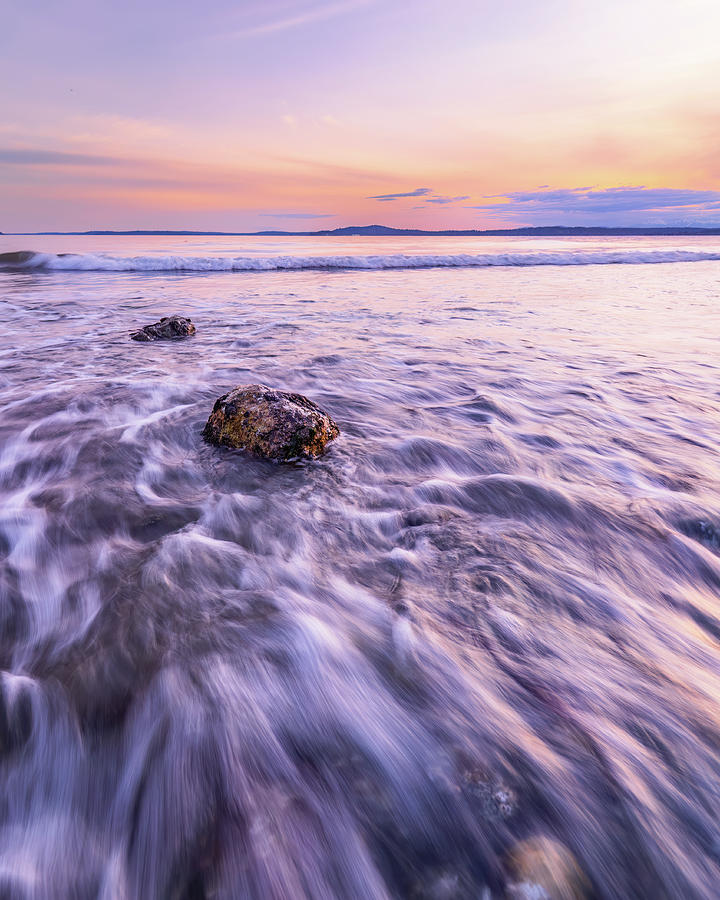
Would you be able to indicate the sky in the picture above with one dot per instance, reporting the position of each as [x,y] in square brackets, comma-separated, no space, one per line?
[314,114]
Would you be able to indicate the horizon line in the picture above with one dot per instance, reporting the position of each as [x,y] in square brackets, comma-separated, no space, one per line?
[388,229]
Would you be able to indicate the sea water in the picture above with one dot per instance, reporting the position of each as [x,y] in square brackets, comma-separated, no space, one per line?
[489,615]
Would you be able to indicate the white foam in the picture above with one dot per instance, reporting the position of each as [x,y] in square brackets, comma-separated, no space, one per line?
[108,263]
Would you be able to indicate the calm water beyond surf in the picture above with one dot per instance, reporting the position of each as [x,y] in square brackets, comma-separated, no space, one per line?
[489,615]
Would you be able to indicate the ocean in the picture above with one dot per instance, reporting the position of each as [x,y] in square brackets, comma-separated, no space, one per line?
[481,631]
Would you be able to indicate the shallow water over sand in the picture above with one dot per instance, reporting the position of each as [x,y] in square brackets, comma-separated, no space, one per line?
[490,612]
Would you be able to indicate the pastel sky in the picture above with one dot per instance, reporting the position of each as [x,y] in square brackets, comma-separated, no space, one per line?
[307,114]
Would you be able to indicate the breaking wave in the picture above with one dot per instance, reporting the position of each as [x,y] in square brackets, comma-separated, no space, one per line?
[107,263]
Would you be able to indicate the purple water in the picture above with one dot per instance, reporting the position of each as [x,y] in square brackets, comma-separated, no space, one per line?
[490,613]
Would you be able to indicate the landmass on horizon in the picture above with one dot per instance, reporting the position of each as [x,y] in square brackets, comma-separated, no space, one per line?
[386,230]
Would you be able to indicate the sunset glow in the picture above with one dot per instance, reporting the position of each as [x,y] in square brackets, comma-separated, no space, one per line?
[308,114]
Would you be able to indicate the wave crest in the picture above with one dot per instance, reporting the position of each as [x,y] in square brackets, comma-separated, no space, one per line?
[86,262]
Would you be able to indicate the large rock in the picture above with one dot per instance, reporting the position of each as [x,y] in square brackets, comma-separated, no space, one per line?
[270,423]
[167,329]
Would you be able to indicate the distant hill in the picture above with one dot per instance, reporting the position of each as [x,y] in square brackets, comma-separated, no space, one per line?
[537,230]
[387,231]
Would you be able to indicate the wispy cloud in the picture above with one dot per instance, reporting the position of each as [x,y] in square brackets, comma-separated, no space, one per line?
[296,215]
[418,192]
[428,195]
[617,205]
[445,200]
[31,157]
[301,14]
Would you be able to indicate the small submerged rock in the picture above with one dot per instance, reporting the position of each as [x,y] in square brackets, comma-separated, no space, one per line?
[544,869]
[494,800]
[167,329]
[270,423]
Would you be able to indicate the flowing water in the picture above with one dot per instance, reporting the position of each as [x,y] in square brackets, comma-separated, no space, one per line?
[489,614]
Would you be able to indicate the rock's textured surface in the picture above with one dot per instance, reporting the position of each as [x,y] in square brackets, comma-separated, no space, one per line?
[168,328]
[270,423]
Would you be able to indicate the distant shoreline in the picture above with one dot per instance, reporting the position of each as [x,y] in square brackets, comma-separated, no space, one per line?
[386,231]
